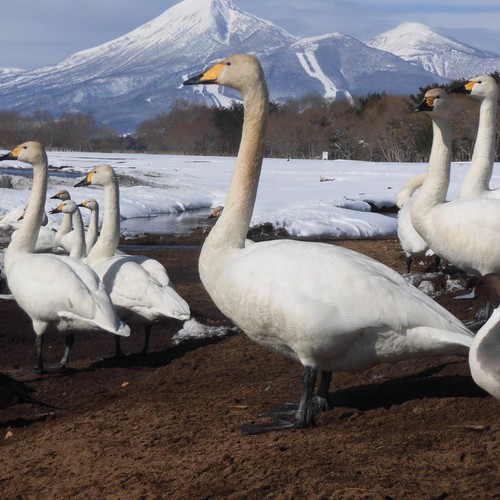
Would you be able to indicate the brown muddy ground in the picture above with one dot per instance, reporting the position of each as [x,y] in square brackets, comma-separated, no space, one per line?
[169,426]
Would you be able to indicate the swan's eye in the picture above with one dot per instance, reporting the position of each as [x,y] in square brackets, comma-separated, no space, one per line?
[228,63]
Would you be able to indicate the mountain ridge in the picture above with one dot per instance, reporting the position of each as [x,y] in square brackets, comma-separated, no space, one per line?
[138,75]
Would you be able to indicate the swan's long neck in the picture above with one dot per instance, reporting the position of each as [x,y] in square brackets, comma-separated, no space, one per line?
[110,231]
[27,234]
[93,229]
[66,226]
[78,249]
[477,179]
[231,229]
[407,190]
[435,186]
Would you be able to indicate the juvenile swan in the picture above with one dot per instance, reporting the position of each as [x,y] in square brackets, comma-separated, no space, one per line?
[330,308]
[55,291]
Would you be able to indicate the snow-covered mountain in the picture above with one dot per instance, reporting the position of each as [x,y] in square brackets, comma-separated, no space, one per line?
[438,54]
[140,74]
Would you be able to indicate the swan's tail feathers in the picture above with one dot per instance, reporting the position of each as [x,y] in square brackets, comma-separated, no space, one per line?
[123,330]
[98,323]
[445,341]
[169,303]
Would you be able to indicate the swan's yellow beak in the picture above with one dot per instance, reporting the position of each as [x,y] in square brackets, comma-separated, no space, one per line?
[12,155]
[57,209]
[463,89]
[86,181]
[84,203]
[427,104]
[209,76]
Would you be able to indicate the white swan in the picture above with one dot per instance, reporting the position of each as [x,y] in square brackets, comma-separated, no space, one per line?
[465,231]
[139,287]
[411,242]
[328,307]
[55,291]
[93,227]
[476,182]
[64,235]
[484,354]
[78,250]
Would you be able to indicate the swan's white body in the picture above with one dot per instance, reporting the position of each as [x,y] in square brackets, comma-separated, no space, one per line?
[484,354]
[411,242]
[55,291]
[139,287]
[476,182]
[331,308]
[466,231]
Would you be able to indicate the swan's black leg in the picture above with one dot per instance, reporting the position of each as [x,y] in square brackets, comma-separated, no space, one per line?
[321,399]
[306,408]
[147,336]
[301,418]
[409,260]
[69,339]
[39,357]
[118,347]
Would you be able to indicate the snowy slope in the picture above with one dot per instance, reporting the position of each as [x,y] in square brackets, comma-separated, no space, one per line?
[140,74]
[427,49]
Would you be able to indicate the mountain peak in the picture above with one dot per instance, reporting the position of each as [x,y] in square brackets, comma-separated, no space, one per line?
[422,46]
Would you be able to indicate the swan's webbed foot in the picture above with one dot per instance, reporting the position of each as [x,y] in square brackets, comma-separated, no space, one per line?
[298,416]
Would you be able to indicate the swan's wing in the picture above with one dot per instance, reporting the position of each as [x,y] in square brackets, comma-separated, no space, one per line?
[311,295]
[132,288]
[49,287]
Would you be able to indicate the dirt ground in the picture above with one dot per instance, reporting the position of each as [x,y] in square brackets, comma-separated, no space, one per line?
[168,426]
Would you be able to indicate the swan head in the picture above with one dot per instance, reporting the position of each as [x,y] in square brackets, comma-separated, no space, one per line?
[480,87]
[31,152]
[239,71]
[66,207]
[62,195]
[216,212]
[436,102]
[90,204]
[102,175]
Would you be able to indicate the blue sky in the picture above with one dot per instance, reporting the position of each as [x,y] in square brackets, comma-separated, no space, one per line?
[36,33]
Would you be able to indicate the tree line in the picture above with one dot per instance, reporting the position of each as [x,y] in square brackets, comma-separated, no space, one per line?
[379,128]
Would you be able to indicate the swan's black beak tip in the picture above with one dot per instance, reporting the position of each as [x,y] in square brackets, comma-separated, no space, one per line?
[83,182]
[7,156]
[195,80]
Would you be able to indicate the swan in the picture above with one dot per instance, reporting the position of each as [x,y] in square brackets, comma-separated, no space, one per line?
[139,287]
[476,182]
[69,207]
[465,231]
[484,354]
[55,291]
[330,308]
[93,228]
[64,235]
[216,212]
[411,242]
